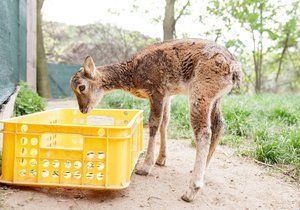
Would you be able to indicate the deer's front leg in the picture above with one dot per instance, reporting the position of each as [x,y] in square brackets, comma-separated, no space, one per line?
[156,109]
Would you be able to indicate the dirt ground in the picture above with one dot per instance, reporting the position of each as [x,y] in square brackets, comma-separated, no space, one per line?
[231,183]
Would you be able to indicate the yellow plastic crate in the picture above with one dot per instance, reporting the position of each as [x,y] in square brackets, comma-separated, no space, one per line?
[65,148]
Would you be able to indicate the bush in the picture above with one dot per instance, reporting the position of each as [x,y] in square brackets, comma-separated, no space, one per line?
[28,101]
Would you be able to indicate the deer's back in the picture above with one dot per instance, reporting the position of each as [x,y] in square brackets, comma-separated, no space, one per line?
[171,65]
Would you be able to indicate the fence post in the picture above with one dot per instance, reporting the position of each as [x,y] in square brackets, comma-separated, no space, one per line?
[31,44]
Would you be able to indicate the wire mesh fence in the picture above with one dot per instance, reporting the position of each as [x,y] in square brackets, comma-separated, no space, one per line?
[12,46]
[59,78]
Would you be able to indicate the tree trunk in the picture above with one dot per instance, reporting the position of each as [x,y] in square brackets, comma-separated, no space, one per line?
[43,86]
[256,57]
[259,60]
[169,20]
[257,80]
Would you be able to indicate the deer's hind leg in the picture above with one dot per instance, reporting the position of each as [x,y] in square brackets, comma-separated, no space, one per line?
[200,117]
[217,128]
[161,159]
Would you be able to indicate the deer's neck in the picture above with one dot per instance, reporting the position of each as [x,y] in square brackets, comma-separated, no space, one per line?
[117,76]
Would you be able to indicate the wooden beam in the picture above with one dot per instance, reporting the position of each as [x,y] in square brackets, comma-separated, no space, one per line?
[6,111]
[7,108]
[31,44]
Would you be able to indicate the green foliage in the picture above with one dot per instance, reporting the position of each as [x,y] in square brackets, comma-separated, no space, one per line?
[180,123]
[284,115]
[237,120]
[264,37]
[28,101]
[265,126]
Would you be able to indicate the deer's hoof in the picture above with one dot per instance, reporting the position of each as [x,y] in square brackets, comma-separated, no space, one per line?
[186,198]
[142,172]
[161,161]
[190,194]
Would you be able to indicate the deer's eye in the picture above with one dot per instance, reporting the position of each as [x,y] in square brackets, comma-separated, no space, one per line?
[82,88]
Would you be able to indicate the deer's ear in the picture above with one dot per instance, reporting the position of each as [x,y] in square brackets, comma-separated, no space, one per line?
[89,67]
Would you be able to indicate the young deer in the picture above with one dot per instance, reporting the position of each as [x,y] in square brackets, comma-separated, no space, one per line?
[201,69]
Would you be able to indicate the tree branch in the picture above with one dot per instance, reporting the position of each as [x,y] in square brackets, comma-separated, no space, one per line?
[282,55]
[182,11]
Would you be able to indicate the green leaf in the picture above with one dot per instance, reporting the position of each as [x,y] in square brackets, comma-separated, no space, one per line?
[253,17]
[271,34]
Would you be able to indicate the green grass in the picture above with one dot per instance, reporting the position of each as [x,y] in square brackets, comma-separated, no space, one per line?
[265,127]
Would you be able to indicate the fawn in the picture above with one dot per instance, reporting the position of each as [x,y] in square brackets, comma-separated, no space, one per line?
[201,69]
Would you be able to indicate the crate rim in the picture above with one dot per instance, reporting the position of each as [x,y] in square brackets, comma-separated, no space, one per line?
[129,125]
[67,186]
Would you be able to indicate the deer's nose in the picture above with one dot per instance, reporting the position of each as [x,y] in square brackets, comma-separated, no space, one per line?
[84,110]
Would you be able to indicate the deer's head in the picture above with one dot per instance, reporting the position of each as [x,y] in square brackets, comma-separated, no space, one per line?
[85,86]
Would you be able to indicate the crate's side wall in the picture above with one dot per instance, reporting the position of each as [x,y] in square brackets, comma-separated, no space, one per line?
[118,148]
[136,146]
[141,132]
[8,152]
[124,152]
[43,159]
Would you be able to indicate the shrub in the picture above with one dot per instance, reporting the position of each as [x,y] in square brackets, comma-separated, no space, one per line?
[28,101]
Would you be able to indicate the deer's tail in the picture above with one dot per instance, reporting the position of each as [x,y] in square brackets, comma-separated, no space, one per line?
[235,68]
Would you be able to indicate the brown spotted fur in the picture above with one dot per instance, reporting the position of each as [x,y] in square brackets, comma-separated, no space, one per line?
[201,69]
